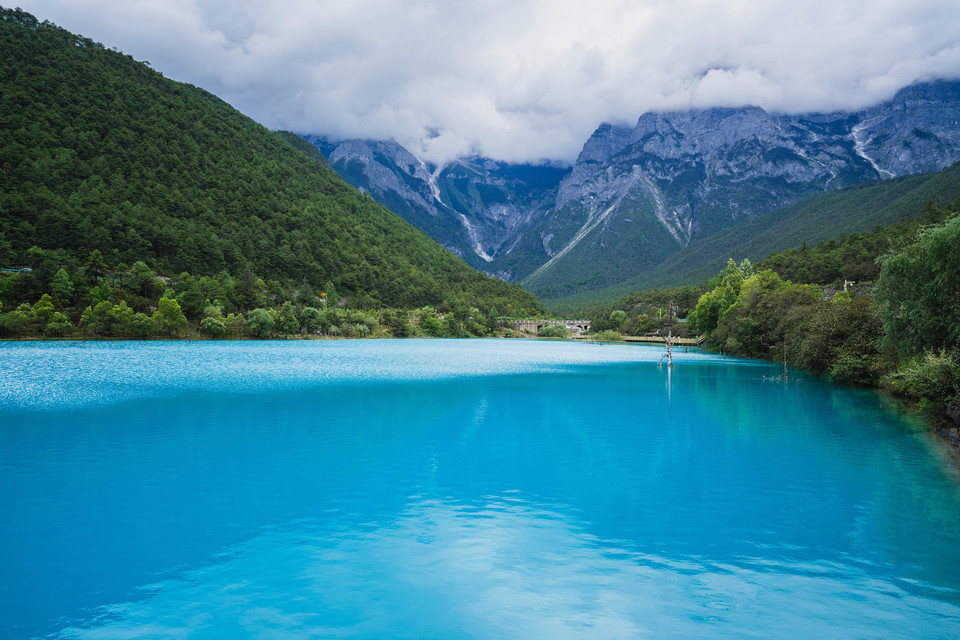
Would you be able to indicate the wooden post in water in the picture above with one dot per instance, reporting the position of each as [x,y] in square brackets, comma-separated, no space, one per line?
[786,374]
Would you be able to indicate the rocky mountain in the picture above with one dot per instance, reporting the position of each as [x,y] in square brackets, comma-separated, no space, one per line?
[817,218]
[475,207]
[638,194]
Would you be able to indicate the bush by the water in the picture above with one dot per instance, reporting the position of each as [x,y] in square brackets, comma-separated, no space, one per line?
[607,335]
[930,379]
[904,334]
[553,331]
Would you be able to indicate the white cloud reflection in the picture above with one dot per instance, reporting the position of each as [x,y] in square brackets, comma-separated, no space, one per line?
[507,568]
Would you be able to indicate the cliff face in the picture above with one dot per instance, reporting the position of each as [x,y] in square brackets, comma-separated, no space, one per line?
[916,132]
[476,207]
[637,194]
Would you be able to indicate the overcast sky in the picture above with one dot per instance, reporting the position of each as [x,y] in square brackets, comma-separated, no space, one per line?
[520,80]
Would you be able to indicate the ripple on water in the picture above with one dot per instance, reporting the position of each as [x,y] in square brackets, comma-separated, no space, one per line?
[486,488]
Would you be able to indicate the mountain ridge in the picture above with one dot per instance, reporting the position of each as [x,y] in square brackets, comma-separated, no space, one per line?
[636,195]
[804,222]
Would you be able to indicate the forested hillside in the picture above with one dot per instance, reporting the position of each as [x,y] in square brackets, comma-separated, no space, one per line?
[102,156]
[853,259]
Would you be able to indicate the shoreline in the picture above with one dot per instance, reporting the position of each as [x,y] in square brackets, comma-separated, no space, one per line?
[945,424]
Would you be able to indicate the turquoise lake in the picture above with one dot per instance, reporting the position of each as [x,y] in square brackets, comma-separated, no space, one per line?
[461,489]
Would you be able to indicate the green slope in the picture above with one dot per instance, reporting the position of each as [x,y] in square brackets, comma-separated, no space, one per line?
[810,221]
[304,146]
[100,152]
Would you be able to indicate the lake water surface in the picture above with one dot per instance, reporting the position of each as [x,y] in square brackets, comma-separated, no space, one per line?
[461,489]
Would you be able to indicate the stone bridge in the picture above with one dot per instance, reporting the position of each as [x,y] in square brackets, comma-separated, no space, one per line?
[534,326]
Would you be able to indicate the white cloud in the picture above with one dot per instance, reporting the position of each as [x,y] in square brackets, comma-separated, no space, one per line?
[521,79]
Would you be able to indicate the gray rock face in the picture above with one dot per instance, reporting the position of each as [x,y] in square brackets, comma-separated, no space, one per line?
[694,173]
[636,195]
[952,412]
[916,132]
[476,207]
[949,428]
[387,167]
[706,169]
[497,202]
[401,182]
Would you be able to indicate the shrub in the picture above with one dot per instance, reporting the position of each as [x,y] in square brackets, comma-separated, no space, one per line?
[607,335]
[432,327]
[357,330]
[260,322]
[213,327]
[932,379]
[553,331]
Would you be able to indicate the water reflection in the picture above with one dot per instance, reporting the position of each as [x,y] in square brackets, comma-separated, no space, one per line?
[387,498]
[503,568]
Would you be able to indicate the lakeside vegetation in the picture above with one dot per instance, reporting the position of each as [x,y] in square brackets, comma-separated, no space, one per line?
[109,172]
[880,308]
[135,302]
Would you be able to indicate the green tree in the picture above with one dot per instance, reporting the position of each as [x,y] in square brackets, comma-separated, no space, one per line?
[493,319]
[141,325]
[121,274]
[461,313]
[843,339]
[213,311]
[100,293]
[248,290]
[234,324]
[617,318]
[86,321]
[328,320]
[287,322]
[122,316]
[62,287]
[144,282]
[330,295]
[193,303]
[260,322]
[18,321]
[95,266]
[169,317]
[918,292]
[748,327]
[432,326]
[213,327]
[103,318]
[43,309]
[476,323]
[932,379]
[310,319]
[713,304]
[554,331]
[58,325]
[397,323]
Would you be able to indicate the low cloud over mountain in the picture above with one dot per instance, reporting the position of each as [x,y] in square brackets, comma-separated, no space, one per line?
[521,80]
